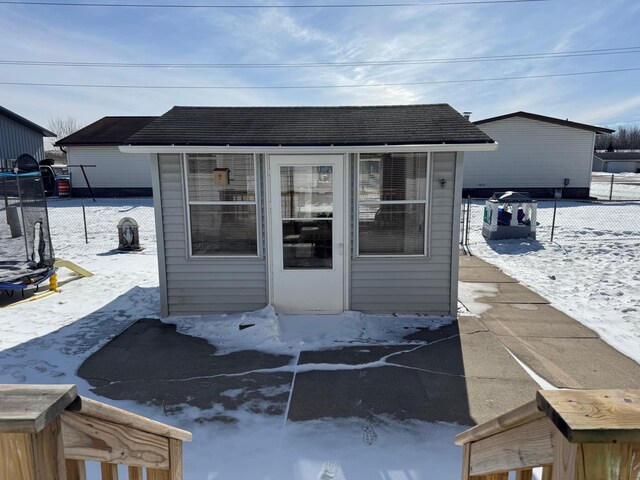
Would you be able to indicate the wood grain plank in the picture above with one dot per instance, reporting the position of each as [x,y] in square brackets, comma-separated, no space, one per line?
[518,416]
[175,459]
[157,474]
[76,470]
[524,446]
[17,457]
[109,471]
[135,473]
[100,410]
[29,408]
[594,416]
[524,474]
[90,438]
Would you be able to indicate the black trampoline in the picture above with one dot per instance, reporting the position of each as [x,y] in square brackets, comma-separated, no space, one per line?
[26,252]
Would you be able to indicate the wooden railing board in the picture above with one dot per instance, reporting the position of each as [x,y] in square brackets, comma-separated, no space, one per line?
[524,446]
[90,438]
[581,435]
[135,473]
[92,408]
[523,414]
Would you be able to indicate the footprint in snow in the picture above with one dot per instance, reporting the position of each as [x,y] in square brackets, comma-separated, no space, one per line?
[329,471]
[369,435]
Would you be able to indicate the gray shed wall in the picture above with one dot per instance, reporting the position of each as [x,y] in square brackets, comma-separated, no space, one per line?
[16,139]
[414,284]
[202,285]
[410,285]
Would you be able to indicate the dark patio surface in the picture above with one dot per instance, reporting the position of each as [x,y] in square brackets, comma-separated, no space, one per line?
[463,373]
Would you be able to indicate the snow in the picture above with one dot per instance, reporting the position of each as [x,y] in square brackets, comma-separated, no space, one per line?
[590,271]
[45,341]
[626,186]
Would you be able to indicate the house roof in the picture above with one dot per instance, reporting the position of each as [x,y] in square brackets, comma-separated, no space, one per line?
[618,155]
[106,131]
[27,123]
[552,120]
[310,126]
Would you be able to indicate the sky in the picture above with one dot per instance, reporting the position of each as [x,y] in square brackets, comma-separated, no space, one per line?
[324,35]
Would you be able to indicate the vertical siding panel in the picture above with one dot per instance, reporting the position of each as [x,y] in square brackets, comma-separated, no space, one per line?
[429,292]
[16,139]
[193,285]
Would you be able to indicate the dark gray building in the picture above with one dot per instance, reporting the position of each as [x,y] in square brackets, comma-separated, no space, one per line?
[19,135]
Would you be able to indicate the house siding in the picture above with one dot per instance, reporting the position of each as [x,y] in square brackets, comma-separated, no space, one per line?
[532,155]
[414,284]
[115,172]
[16,139]
[197,285]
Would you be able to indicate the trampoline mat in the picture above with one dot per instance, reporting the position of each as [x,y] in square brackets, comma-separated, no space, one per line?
[21,272]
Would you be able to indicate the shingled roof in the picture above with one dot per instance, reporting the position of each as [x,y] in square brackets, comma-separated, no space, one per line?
[310,126]
[106,131]
[552,120]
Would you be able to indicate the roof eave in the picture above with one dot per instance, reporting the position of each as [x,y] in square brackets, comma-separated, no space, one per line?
[435,147]
[550,120]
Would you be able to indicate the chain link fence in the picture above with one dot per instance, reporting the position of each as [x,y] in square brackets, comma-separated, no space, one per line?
[618,186]
[90,224]
[561,221]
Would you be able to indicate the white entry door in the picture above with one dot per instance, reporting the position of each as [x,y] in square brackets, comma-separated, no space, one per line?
[307,233]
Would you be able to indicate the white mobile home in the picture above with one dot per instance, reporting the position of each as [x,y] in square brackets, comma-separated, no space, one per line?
[544,156]
[310,209]
[110,172]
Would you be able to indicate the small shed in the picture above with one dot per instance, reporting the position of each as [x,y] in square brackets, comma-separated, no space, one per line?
[544,156]
[309,209]
[112,172]
[19,135]
[617,162]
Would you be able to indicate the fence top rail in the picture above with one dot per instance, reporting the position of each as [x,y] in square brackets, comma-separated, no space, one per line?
[30,408]
[514,418]
[582,416]
[102,411]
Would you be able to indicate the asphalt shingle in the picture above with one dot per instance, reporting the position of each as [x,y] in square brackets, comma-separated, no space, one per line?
[310,126]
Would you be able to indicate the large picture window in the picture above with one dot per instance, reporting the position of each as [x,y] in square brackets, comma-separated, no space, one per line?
[392,203]
[221,196]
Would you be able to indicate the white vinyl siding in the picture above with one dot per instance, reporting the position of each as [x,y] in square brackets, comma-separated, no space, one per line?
[200,286]
[113,168]
[531,154]
[415,284]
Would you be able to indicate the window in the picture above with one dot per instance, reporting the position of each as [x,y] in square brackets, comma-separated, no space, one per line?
[392,203]
[221,196]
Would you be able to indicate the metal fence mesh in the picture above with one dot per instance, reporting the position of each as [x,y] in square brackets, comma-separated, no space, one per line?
[566,220]
[91,224]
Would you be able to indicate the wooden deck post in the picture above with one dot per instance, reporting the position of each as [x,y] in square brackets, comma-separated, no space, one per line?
[571,434]
[31,445]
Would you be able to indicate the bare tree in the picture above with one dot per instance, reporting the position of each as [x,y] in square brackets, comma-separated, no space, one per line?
[626,137]
[62,127]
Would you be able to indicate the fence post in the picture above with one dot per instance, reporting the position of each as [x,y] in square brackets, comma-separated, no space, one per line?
[466,235]
[553,222]
[611,188]
[84,219]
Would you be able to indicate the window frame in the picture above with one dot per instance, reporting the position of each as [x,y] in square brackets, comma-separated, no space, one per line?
[427,210]
[189,202]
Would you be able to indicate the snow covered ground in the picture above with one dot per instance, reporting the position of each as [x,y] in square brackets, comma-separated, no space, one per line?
[45,341]
[626,186]
[591,271]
